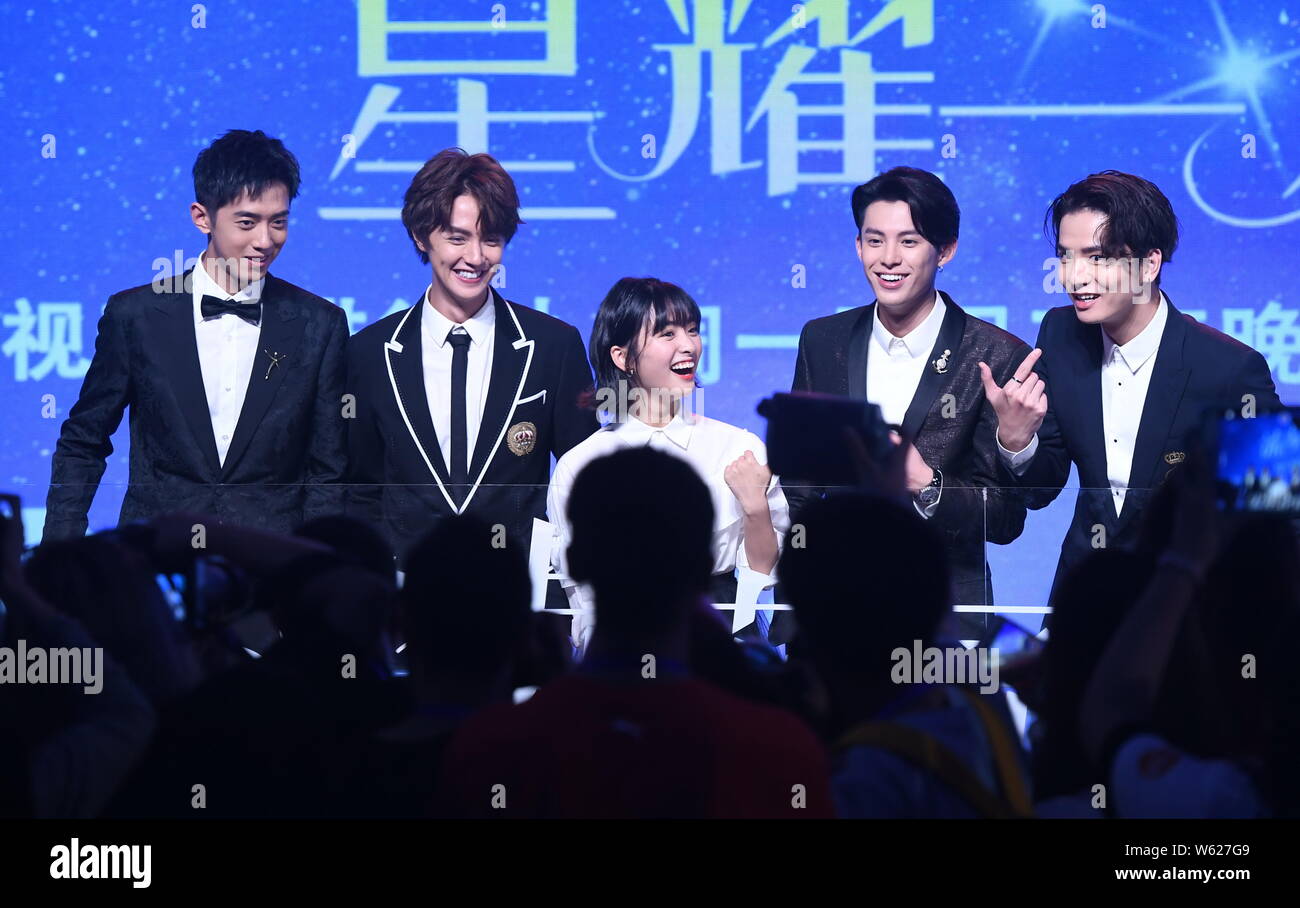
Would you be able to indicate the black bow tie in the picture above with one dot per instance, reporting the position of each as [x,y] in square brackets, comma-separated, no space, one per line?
[211,307]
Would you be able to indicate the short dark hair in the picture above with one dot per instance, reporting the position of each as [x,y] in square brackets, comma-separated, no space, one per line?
[631,304]
[447,176]
[347,608]
[1138,216]
[364,544]
[466,598]
[852,627]
[642,536]
[933,206]
[1087,606]
[242,162]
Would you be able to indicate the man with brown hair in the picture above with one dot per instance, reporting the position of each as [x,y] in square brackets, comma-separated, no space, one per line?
[462,399]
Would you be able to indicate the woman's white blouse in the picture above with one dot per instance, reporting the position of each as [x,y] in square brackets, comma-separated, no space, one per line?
[706,444]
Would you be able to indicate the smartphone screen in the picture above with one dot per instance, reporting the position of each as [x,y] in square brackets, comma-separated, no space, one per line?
[173,590]
[1258,462]
[1011,642]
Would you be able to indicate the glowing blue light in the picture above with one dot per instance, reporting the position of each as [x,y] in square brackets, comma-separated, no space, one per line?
[1242,70]
[1056,8]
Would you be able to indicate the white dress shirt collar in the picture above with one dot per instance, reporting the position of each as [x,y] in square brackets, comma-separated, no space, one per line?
[1140,349]
[636,432]
[920,340]
[227,348]
[203,285]
[479,325]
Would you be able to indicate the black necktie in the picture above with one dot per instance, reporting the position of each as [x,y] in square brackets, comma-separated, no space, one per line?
[211,307]
[459,341]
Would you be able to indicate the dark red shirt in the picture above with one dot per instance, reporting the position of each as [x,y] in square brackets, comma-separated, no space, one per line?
[589,747]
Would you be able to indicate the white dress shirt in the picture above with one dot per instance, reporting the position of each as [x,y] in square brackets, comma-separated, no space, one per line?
[895,366]
[706,444]
[1125,377]
[436,355]
[1126,372]
[228,347]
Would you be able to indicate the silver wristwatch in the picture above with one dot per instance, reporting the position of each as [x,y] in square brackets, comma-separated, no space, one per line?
[930,494]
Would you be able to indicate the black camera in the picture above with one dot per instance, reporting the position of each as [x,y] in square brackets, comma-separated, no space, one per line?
[806,437]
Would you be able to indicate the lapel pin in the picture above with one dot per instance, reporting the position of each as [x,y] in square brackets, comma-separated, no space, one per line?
[941,364]
[275,361]
[1174,457]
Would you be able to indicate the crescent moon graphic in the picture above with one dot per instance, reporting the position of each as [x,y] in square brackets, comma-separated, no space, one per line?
[1190,181]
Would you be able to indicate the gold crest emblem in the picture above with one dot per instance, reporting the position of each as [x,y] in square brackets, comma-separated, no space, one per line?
[1174,457]
[521,438]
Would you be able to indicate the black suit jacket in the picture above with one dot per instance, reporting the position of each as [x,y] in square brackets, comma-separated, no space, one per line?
[287,454]
[1197,368]
[397,477]
[949,421]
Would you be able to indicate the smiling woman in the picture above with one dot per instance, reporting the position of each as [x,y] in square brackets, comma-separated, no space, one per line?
[645,349]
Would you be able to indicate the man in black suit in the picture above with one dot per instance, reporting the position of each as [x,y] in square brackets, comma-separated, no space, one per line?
[234,378]
[462,399]
[916,354]
[1131,377]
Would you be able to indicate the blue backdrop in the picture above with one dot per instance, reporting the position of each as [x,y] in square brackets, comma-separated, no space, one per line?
[712,143]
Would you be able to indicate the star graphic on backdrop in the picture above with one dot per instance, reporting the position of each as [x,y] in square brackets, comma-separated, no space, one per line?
[1055,11]
[1239,70]
[1242,71]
